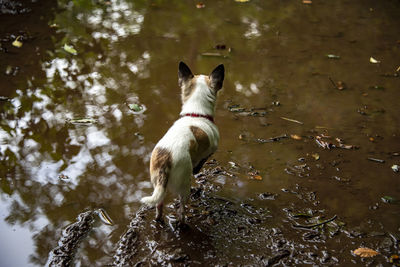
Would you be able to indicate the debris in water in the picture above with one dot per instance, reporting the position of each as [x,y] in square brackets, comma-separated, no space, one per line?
[341,145]
[287,119]
[82,121]
[267,196]
[395,168]
[331,56]
[212,54]
[373,60]
[200,5]
[276,103]
[242,1]
[365,252]
[376,160]
[377,87]
[314,225]
[295,137]
[17,43]
[63,176]
[323,144]
[308,2]
[388,199]
[104,217]
[135,107]
[315,156]
[70,49]
[272,139]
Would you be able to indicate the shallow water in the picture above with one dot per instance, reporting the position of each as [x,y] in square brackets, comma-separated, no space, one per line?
[276,65]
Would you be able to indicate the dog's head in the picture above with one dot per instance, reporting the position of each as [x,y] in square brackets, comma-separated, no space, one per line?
[190,83]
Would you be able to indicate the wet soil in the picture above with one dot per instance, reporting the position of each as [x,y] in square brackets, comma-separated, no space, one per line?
[309,132]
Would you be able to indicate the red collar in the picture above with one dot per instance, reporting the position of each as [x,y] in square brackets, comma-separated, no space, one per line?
[195,115]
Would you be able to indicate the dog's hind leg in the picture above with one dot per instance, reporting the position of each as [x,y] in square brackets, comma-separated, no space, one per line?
[159,211]
[181,210]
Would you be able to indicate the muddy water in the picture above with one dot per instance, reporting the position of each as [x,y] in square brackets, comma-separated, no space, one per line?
[247,200]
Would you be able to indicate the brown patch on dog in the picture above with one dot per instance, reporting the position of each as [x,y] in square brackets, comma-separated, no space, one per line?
[160,165]
[200,144]
[188,88]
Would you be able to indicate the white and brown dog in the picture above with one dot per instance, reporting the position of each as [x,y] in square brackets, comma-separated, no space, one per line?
[189,142]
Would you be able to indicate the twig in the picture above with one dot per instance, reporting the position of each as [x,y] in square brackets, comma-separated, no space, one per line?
[314,225]
[333,83]
[287,119]
[376,160]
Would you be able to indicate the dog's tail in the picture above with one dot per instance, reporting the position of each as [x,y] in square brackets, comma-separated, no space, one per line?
[157,196]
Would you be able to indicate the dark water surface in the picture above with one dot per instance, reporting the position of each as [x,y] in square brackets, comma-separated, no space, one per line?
[276,66]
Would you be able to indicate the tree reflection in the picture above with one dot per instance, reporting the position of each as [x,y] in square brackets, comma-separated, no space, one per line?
[52,170]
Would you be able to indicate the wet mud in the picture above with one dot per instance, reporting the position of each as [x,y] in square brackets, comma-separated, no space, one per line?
[250,235]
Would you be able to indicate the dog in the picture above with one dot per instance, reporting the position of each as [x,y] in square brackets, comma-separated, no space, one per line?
[191,140]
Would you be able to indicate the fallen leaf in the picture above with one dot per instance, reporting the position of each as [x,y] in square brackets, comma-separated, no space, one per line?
[307,2]
[17,43]
[295,137]
[398,69]
[315,156]
[365,252]
[257,177]
[70,49]
[331,56]
[135,107]
[242,1]
[200,5]
[395,168]
[373,60]
[341,85]
[388,199]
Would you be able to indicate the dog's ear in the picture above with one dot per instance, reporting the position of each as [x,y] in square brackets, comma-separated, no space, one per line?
[217,77]
[184,73]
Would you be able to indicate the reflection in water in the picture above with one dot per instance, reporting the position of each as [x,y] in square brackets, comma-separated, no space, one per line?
[52,170]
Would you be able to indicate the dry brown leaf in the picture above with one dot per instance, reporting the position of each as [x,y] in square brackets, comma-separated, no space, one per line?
[307,2]
[365,252]
[295,137]
[200,5]
[257,177]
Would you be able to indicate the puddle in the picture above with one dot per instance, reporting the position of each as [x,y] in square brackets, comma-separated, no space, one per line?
[308,122]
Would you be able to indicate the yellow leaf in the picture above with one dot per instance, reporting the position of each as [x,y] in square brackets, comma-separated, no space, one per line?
[242,1]
[295,137]
[365,252]
[373,60]
[17,43]
[315,156]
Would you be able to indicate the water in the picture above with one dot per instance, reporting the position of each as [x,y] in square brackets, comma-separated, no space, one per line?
[276,64]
